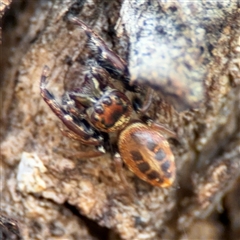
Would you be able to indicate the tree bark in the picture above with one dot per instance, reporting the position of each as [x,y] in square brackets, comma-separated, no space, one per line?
[51,196]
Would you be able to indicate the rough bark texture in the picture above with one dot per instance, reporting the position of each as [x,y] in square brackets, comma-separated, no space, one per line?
[50,196]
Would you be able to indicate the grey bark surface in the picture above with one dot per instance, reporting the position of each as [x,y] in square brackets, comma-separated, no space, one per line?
[51,196]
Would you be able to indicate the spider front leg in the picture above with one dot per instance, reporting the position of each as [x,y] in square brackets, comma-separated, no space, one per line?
[100,150]
[106,58]
[79,128]
[70,106]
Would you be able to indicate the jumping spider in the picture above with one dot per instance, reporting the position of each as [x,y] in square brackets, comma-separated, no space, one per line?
[97,107]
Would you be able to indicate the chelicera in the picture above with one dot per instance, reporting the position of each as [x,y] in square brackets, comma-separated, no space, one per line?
[97,107]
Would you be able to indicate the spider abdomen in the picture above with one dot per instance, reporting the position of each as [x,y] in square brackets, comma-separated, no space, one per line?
[147,154]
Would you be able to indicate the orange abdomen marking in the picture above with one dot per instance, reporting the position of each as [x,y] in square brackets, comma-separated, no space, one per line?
[147,154]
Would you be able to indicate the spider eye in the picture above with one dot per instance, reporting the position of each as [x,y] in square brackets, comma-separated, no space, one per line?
[107,101]
[98,109]
[117,100]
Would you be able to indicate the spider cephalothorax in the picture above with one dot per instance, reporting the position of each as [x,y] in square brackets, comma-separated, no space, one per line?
[93,108]
[107,108]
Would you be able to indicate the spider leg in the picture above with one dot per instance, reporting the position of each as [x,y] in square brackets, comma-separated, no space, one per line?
[82,98]
[142,108]
[101,75]
[86,154]
[89,154]
[106,58]
[78,154]
[160,128]
[80,127]
[119,169]
[96,79]
[70,106]
[70,134]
